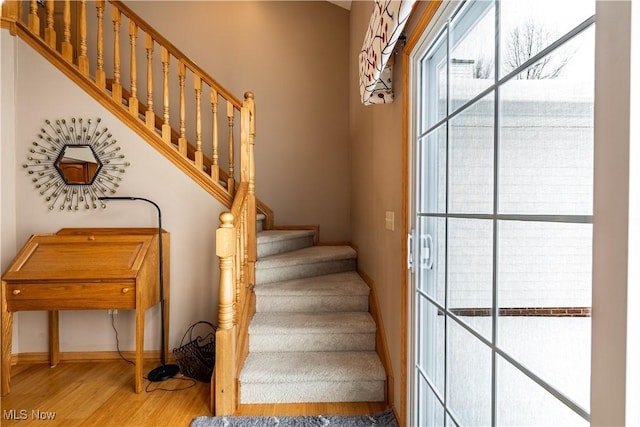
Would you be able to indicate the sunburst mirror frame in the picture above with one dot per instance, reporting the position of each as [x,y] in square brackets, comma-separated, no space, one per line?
[46,153]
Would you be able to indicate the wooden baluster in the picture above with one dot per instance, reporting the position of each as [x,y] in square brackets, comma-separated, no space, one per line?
[231,186]
[238,269]
[215,168]
[116,89]
[100,74]
[166,126]
[34,19]
[83,60]
[182,141]
[245,248]
[197,82]
[49,31]
[224,386]
[252,250]
[150,115]
[67,47]
[133,99]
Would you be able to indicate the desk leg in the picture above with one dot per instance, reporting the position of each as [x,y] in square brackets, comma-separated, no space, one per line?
[139,347]
[7,331]
[54,338]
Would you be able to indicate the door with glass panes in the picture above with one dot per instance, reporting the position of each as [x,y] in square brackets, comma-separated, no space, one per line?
[502,172]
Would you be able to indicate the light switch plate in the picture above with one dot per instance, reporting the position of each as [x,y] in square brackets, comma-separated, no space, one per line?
[389,220]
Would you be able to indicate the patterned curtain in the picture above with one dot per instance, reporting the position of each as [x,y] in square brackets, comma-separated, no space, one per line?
[386,24]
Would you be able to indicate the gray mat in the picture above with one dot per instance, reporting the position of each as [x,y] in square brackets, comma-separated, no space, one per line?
[384,419]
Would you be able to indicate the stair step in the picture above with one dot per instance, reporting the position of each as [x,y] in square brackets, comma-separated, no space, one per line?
[273,242]
[286,332]
[307,262]
[328,293]
[352,376]
[259,221]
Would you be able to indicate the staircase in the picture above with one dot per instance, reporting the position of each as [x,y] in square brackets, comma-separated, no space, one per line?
[293,317]
[312,338]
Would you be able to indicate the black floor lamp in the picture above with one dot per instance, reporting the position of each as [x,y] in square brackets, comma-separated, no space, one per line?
[164,371]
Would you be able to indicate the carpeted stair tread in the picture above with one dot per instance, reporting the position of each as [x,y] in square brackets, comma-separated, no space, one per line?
[307,262]
[325,293]
[270,236]
[311,255]
[311,323]
[348,283]
[301,367]
[273,242]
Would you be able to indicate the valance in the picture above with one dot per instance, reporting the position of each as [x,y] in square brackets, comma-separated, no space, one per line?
[387,21]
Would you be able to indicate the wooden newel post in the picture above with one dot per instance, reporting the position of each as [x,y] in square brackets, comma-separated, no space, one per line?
[9,14]
[223,386]
[225,250]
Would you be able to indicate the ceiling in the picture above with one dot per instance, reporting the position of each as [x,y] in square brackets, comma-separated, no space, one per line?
[342,3]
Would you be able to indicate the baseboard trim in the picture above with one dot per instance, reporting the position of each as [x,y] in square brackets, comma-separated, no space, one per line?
[86,356]
[382,348]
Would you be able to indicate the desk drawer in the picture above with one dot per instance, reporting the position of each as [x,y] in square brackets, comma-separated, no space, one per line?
[67,296]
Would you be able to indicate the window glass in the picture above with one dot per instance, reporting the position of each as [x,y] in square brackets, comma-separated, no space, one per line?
[471,158]
[434,83]
[432,175]
[522,402]
[431,362]
[470,272]
[544,294]
[468,377]
[472,61]
[546,135]
[527,27]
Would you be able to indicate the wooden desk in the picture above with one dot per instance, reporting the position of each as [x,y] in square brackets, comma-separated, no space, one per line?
[84,269]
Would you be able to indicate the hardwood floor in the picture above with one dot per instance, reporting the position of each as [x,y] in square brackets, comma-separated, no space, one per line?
[101,394]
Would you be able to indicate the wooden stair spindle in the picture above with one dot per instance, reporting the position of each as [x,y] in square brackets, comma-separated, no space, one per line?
[182,141]
[116,87]
[215,168]
[34,19]
[100,74]
[49,31]
[231,181]
[166,126]
[239,264]
[83,60]
[67,47]
[197,83]
[133,99]
[252,249]
[150,115]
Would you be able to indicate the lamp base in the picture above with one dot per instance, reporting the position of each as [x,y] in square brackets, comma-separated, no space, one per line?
[162,373]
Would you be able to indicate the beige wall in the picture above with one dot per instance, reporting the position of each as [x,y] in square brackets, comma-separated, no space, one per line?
[293,56]
[189,213]
[376,187]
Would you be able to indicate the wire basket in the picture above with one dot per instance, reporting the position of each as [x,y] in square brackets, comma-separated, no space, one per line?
[197,357]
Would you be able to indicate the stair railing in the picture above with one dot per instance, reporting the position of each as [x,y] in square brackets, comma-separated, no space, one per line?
[236,249]
[236,241]
[145,80]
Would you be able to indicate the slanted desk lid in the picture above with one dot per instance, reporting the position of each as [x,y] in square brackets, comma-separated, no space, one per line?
[81,257]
